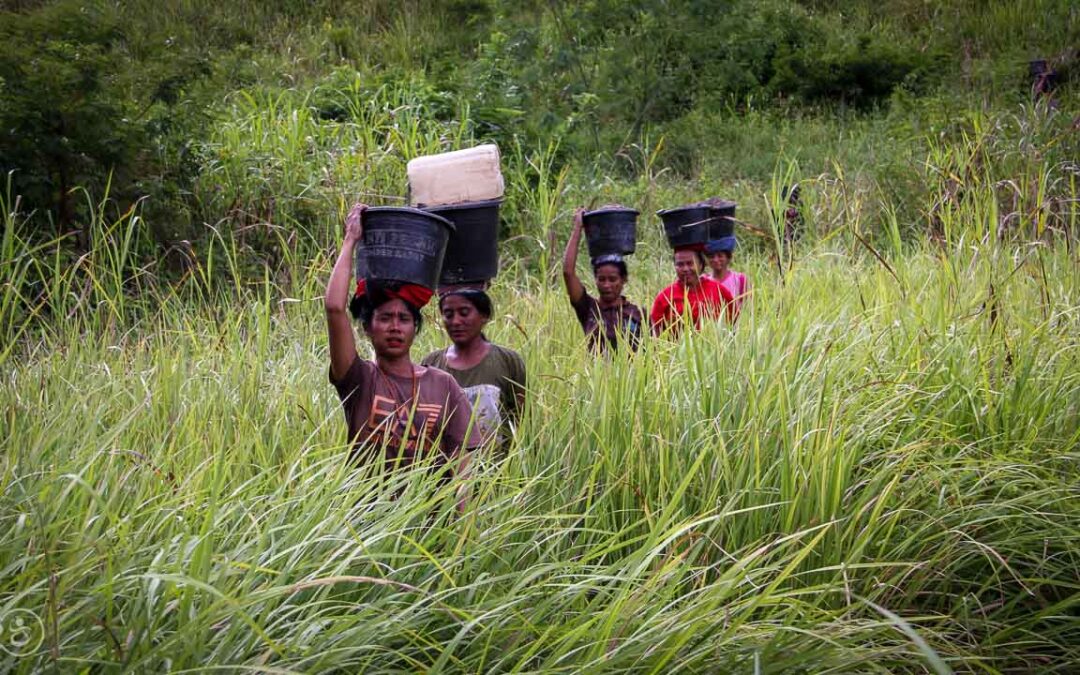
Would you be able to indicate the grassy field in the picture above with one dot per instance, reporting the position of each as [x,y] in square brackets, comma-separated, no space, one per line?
[874,471]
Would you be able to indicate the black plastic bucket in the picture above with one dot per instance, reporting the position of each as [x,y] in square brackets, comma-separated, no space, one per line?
[402,244]
[686,225]
[1044,77]
[695,224]
[722,223]
[611,230]
[472,254]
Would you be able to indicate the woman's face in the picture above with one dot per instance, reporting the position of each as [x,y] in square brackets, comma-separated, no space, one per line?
[463,322]
[687,268]
[609,283]
[392,329]
[719,263]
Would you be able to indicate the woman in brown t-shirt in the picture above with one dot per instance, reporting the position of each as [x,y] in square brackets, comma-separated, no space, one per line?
[407,412]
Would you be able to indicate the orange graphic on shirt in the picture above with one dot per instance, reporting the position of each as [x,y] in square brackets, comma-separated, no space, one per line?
[391,420]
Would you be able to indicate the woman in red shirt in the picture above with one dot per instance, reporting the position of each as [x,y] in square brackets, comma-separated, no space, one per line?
[690,297]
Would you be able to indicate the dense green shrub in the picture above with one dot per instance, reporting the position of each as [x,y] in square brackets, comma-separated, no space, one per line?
[61,123]
[708,91]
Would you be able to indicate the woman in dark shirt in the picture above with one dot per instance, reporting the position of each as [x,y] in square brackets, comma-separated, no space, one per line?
[611,318]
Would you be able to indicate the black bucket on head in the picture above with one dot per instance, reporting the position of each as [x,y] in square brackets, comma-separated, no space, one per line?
[686,225]
[472,254]
[722,223]
[610,230]
[1043,76]
[695,224]
[402,244]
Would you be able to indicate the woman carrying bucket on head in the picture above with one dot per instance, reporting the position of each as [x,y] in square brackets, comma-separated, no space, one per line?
[719,254]
[692,296]
[466,187]
[611,318]
[407,411]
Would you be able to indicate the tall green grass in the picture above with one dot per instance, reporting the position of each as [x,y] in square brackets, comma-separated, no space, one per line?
[869,472]
[874,471]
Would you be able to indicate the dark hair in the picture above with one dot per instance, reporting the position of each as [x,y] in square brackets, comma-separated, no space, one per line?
[478,298]
[362,307]
[617,264]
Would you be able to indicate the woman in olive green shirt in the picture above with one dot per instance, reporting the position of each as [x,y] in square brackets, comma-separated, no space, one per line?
[492,376]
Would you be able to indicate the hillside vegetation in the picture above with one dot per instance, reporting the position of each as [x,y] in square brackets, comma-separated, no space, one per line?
[874,471]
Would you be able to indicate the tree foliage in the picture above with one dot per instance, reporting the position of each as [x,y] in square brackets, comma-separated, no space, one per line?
[130,94]
[62,124]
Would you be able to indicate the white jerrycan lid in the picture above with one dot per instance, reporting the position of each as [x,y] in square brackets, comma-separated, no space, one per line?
[470,175]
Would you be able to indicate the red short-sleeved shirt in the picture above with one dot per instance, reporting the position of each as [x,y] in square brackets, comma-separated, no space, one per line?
[709,299]
[378,407]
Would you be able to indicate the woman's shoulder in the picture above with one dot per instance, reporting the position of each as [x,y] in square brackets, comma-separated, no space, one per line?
[359,370]
[436,358]
[433,374]
[506,354]
[717,288]
[585,302]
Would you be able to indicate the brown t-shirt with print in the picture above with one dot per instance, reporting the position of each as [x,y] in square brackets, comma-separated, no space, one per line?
[380,413]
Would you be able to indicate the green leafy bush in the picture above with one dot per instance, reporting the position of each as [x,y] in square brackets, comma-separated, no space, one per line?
[61,123]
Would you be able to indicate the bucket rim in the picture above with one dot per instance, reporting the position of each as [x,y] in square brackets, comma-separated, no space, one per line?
[413,211]
[716,206]
[708,218]
[461,206]
[611,209]
[722,204]
[680,209]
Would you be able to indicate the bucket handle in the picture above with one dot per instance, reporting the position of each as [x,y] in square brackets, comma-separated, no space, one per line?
[699,222]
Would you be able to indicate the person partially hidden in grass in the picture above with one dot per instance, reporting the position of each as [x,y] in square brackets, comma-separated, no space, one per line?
[719,254]
[691,297]
[611,318]
[408,412]
[492,376]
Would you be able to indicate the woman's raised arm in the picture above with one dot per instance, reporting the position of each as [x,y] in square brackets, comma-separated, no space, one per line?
[569,261]
[336,299]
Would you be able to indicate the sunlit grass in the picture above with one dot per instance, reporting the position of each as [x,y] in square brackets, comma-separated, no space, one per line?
[874,471]
[863,460]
